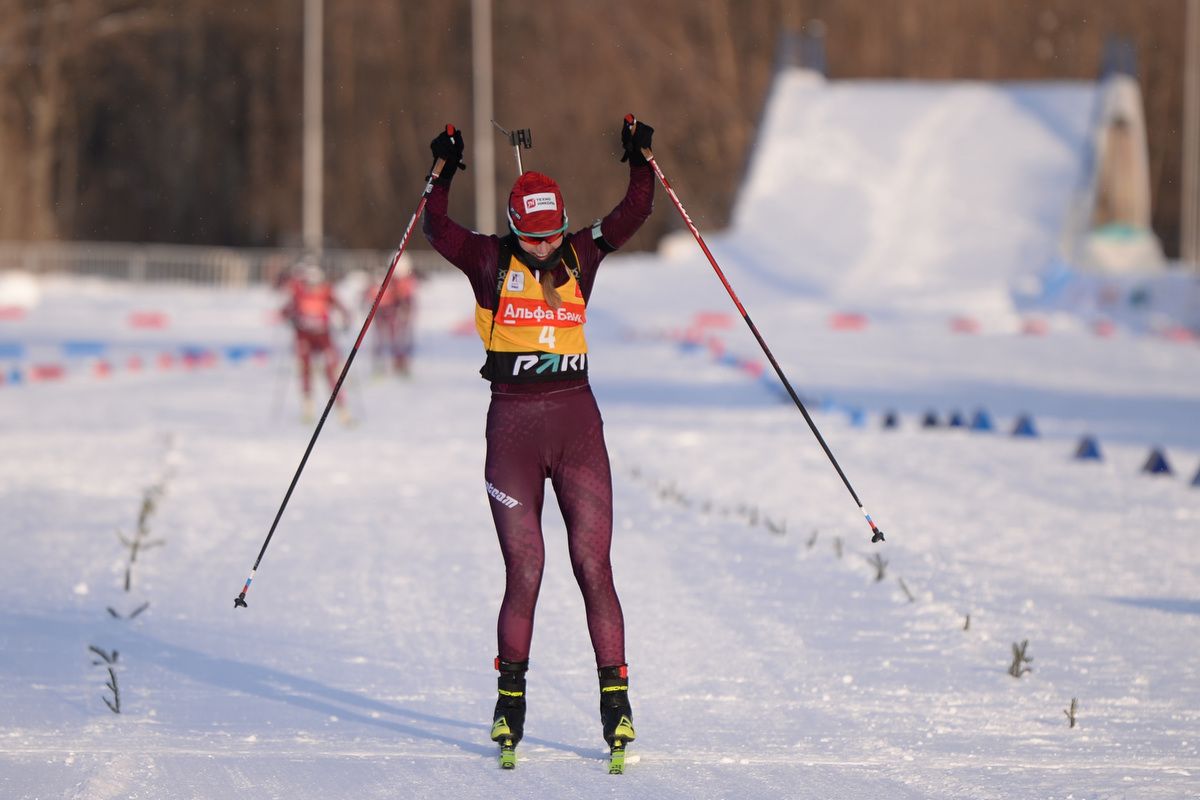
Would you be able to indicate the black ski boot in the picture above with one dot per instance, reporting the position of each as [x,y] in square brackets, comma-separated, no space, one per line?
[616,714]
[508,723]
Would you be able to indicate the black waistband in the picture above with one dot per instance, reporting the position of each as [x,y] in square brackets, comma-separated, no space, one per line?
[545,387]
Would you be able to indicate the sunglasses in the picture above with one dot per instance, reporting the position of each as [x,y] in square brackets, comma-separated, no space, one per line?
[534,241]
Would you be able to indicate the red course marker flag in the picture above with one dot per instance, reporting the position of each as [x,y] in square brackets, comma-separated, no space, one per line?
[47,372]
[847,321]
[964,325]
[148,320]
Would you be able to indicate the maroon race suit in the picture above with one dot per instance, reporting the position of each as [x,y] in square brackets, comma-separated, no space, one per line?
[395,318]
[309,309]
[548,429]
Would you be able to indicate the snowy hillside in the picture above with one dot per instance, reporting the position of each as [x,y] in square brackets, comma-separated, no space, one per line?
[923,195]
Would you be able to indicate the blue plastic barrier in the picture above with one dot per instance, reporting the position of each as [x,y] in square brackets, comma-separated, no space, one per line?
[982,421]
[1088,449]
[1024,427]
[1157,464]
[237,353]
[84,348]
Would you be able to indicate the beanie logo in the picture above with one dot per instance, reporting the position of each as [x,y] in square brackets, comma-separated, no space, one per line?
[542,201]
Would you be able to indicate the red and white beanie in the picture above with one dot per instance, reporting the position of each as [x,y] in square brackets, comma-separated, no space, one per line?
[535,207]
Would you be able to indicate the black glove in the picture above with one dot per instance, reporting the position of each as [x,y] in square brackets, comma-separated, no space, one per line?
[635,136]
[449,147]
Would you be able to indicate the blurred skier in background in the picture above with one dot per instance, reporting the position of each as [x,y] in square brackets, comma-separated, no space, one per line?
[532,288]
[310,308]
[392,342]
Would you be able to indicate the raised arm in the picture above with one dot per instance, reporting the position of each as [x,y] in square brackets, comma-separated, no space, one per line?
[473,253]
[624,220]
[620,224]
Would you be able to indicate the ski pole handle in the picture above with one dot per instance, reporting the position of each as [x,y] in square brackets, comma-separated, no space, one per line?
[439,164]
[436,170]
[632,122]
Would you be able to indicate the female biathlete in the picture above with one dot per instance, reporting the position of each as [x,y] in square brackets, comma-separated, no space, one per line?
[532,289]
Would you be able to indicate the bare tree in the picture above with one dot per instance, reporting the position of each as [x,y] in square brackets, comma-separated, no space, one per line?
[179,120]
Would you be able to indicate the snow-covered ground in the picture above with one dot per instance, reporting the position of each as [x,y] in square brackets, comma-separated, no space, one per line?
[764,664]
[766,659]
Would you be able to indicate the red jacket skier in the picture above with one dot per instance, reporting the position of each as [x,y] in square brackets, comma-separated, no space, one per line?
[532,289]
[310,308]
[395,317]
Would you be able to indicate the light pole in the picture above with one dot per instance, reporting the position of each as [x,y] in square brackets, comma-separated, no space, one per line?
[485,158]
[1190,233]
[313,232]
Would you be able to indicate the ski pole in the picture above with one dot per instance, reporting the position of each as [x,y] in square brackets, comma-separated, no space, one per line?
[436,170]
[877,534]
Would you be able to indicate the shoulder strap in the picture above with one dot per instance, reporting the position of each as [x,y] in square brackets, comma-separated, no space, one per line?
[503,259]
[504,256]
[571,261]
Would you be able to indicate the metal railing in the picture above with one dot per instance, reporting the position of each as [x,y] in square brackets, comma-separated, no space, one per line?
[213,266]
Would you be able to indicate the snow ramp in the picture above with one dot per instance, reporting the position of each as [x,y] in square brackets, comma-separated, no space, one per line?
[901,195]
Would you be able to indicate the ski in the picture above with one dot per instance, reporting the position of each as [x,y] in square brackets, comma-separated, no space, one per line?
[616,758]
[508,754]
